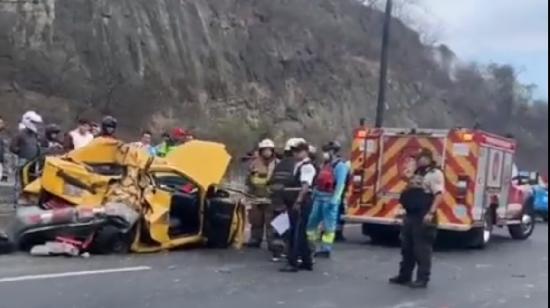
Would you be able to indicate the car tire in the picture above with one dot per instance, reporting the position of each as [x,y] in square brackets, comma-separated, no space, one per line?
[525,229]
[480,238]
[5,246]
[110,240]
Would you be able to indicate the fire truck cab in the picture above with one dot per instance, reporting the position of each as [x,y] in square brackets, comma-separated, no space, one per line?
[478,166]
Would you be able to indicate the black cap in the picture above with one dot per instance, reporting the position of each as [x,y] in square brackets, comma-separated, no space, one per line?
[332,146]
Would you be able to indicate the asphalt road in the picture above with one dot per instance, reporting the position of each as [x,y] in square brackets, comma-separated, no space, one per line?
[509,274]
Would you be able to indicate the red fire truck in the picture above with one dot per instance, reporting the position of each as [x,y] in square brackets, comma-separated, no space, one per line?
[478,166]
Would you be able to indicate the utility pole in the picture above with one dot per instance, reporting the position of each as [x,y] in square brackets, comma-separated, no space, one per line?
[380,108]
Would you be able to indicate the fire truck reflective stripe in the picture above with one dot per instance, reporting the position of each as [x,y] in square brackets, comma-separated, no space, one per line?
[356,155]
[446,213]
[455,209]
[464,166]
[435,146]
[392,149]
[389,207]
[390,177]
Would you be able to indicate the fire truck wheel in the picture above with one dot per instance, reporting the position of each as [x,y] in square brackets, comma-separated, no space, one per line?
[526,228]
[481,237]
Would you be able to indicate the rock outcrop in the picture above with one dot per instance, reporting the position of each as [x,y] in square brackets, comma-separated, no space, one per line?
[230,69]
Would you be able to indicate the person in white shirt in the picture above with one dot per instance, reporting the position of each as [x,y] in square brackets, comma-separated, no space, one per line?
[145,143]
[298,245]
[79,137]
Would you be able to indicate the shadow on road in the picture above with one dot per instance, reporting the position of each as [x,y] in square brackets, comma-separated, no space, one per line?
[447,242]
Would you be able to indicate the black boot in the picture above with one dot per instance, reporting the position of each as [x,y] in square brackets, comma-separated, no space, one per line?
[340,237]
[400,280]
[289,269]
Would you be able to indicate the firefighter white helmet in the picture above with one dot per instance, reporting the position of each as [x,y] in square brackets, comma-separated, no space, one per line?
[266,144]
[293,142]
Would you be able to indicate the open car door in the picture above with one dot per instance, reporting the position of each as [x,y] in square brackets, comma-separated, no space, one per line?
[206,163]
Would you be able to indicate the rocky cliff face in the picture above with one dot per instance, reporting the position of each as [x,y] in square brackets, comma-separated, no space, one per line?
[235,69]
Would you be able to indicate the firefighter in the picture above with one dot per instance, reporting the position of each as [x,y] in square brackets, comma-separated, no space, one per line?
[303,177]
[260,171]
[327,197]
[420,201]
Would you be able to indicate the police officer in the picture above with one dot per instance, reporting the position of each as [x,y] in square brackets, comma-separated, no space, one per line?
[282,193]
[419,231]
[298,245]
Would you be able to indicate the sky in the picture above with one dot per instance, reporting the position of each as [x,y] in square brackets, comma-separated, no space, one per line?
[504,31]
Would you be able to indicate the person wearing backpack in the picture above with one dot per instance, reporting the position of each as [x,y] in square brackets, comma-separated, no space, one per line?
[328,192]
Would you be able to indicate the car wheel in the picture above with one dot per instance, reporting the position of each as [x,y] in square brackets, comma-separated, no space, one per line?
[527,225]
[109,240]
[5,245]
[525,229]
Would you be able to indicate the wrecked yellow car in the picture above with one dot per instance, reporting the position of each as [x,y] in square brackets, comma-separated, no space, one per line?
[114,197]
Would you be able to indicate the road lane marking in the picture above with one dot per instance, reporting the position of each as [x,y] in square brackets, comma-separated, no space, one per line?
[74,274]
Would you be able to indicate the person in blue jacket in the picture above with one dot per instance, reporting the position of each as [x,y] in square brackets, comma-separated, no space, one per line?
[327,196]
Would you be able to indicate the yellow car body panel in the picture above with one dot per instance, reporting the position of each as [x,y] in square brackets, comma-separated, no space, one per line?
[73,182]
[204,162]
[158,217]
[99,151]
[72,177]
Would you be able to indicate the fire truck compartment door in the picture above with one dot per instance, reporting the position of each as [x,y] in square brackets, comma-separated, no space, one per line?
[397,160]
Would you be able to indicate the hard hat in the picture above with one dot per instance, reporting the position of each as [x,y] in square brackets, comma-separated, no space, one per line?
[312,150]
[266,144]
[293,142]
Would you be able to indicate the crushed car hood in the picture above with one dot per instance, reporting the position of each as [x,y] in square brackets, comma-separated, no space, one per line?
[203,161]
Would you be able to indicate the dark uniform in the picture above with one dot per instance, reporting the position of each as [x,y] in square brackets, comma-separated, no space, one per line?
[283,194]
[417,236]
[297,243]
